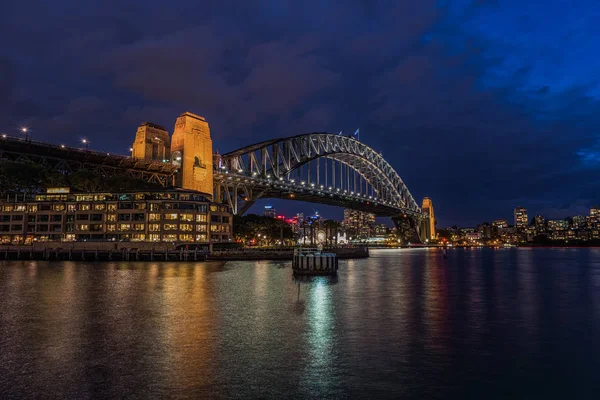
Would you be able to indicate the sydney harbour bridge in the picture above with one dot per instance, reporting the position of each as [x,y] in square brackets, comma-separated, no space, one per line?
[322,168]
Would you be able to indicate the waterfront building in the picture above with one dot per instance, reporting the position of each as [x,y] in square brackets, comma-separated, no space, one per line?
[557,225]
[358,224]
[485,230]
[269,211]
[381,230]
[521,220]
[150,216]
[579,222]
[497,227]
[473,236]
[540,223]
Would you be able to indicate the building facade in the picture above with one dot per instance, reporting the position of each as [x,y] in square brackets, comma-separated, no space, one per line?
[358,224]
[163,216]
[269,211]
[521,220]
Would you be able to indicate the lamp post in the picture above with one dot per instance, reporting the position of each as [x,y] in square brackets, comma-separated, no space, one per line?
[25,130]
[86,142]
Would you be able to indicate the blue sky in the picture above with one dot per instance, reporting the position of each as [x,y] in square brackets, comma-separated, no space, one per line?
[480,105]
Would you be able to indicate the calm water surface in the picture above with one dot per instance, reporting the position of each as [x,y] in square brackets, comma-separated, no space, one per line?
[482,324]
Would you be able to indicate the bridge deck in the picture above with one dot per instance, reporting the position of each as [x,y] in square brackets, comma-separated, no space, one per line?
[72,154]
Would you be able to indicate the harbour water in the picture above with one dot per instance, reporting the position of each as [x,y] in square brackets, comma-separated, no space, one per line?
[480,324]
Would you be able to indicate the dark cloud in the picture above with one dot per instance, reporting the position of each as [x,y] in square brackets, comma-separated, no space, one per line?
[481,105]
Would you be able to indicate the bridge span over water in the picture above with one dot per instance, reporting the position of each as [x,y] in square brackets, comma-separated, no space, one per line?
[322,168]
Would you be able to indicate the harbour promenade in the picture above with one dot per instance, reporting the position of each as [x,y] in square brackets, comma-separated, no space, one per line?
[143,251]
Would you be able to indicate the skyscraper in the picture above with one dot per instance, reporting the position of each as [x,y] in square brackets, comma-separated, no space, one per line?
[358,224]
[269,211]
[521,220]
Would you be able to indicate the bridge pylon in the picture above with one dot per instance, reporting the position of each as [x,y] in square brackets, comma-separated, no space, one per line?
[408,227]
[192,152]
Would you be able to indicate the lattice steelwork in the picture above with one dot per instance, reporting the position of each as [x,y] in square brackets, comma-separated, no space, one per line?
[319,167]
[69,159]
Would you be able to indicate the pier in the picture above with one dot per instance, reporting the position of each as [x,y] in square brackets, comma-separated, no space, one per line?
[128,251]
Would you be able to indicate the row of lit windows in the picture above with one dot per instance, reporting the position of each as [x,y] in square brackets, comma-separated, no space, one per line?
[135,237]
[109,207]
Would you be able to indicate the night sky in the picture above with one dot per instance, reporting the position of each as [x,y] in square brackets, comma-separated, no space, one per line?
[480,105]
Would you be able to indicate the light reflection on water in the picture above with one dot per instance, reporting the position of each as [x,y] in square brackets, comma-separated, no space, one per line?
[480,324]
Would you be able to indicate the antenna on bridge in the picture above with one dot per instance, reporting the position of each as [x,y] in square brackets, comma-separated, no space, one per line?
[340,133]
[357,134]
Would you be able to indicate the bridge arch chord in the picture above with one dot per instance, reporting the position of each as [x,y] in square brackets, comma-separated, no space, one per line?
[278,158]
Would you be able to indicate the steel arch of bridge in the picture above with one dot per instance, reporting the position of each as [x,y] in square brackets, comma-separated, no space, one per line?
[266,169]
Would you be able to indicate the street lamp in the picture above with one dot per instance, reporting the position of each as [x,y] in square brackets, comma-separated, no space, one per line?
[86,142]
[26,132]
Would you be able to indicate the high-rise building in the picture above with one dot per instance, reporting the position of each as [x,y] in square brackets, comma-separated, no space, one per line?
[358,224]
[521,220]
[485,229]
[578,222]
[269,211]
[540,223]
[500,224]
[557,225]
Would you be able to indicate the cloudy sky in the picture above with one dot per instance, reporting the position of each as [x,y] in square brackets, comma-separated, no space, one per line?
[481,105]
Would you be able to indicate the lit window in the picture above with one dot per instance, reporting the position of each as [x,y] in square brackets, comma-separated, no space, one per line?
[170,227]
[201,238]
[20,207]
[154,237]
[201,218]
[201,227]
[138,237]
[124,227]
[186,217]
[213,208]
[84,207]
[71,207]
[111,217]
[112,207]
[59,207]
[32,209]
[83,227]
[154,217]
[169,238]
[171,216]
[186,238]
[138,227]
[154,227]
[186,227]
[111,227]
[99,207]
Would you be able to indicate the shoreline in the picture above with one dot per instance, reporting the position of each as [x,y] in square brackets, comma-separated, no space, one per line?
[127,252]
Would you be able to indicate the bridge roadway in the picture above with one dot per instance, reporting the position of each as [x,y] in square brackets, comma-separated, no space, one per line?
[69,159]
[260,187]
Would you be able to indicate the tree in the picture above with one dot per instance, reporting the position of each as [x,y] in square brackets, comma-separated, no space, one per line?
[331,229]
[261,228]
